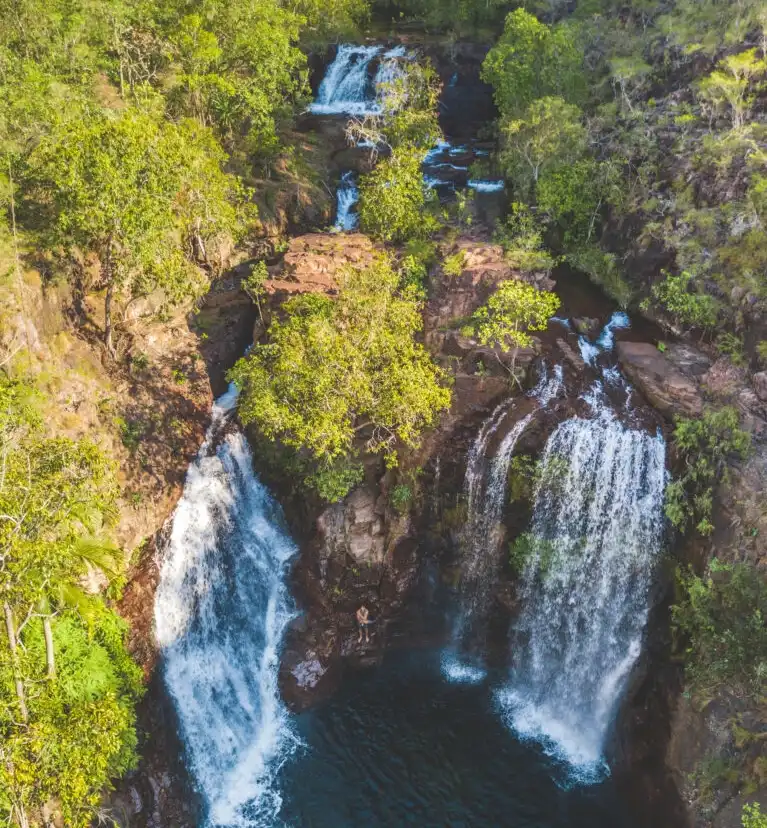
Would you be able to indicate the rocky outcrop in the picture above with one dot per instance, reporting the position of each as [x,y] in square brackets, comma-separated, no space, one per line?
[483,267]
[354,528]
[312,262]
[659,378]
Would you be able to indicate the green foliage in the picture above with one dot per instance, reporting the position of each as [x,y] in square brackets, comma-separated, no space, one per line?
[694,309]
[532,60]
[454,264]
[522,241]
[731,86]
[753,816]
[703,447]
[731,346]
[523,478]
[721,617]
[334,479]
[66,707]
[515,309]
[454,15]
[547,136]
[393,199]
[333,369]
[529,548]
[150,200]
[401,498]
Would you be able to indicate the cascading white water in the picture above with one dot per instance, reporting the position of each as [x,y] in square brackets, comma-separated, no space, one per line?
[595,539]
[347,196]
[221,609]
[347,88]
[485,493]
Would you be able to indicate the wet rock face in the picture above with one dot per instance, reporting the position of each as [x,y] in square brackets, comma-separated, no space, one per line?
[665,386]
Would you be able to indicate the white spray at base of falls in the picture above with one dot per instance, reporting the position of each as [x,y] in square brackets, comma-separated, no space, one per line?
[596,538]
[221,609]
[485,493]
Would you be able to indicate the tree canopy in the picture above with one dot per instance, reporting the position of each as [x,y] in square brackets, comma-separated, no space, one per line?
[337,370]
[148,198]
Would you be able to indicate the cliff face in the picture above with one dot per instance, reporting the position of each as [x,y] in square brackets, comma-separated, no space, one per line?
[716,746]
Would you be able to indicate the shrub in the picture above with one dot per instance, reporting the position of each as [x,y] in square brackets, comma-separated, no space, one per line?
[722,618]
[704,447]
[695,309]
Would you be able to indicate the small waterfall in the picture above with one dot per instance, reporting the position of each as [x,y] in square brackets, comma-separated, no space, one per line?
[220,612]
[347,196]
[347,88]
[485,492]
[606,339]
[596,537]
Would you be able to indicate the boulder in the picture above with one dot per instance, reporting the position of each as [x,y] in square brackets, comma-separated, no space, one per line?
[666,388]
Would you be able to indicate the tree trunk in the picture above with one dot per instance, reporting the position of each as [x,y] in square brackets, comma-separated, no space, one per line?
[108,318]
[11,630]
[50,656]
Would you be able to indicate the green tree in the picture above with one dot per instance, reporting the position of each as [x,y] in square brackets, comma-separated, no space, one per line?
[549,134]
[689,307]
[753,816]
[704,448]
[148,198]
[721,618]
[731,86]
[335,370]
[515,309]
[532,60]
[393,199]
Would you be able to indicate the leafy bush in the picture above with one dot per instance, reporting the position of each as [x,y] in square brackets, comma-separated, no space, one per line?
[703,447]
[401,498]
[695,309]
[333,481]
[454,265]
[722,617]
[393,199]
[753,816]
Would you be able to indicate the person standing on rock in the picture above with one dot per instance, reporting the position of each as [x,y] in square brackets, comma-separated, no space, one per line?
[363,621]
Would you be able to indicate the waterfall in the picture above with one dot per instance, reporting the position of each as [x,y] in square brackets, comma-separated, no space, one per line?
[347,88]
[347,196]
[485,494]
[221,608]
[595,539]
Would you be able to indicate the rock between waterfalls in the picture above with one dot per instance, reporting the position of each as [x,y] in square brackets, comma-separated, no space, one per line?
[665,386]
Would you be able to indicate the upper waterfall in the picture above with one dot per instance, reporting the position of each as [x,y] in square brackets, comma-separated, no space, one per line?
[348,89]
[220,612]
[596,537]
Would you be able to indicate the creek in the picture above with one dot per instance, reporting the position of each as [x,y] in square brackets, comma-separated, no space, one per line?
[442,736]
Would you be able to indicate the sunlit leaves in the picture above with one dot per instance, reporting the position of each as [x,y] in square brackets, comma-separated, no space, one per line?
[336,368]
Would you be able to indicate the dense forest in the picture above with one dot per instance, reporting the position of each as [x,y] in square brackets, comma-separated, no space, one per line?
[142,143]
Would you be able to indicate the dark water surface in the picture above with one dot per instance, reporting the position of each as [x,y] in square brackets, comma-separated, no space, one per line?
[399,746]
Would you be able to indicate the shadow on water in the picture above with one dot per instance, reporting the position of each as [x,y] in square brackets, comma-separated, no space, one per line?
[399,746]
